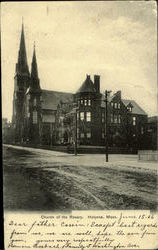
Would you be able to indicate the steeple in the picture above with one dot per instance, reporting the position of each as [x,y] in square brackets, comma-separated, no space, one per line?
[34,70]
[22,66]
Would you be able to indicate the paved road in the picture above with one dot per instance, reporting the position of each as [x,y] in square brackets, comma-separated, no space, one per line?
[36,179]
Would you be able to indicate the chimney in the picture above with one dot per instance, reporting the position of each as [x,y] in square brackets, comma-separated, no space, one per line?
[97,83]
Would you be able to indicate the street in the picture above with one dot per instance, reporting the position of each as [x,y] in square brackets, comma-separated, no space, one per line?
[36,179]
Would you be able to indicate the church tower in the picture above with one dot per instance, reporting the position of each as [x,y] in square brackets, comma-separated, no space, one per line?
[34,103]
[21,83]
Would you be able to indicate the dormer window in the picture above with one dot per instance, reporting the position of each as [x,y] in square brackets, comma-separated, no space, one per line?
[89,102]
[81,101]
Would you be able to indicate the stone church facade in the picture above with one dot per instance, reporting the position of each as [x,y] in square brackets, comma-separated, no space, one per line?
[44,117]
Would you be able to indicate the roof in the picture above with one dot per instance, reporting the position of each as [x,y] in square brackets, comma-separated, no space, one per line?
[153,119]
[51,99]
[136,108]
[50,118]
[87,86]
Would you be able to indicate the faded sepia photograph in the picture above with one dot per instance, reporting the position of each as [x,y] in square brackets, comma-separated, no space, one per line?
[79,105]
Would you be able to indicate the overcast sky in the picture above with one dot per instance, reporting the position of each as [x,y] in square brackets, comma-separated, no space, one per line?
[115,39]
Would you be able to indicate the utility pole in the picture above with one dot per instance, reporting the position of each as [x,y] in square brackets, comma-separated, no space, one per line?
[75,149]
[106,123]
[75,130]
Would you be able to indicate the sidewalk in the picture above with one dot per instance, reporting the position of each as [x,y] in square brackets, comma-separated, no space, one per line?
[91,160]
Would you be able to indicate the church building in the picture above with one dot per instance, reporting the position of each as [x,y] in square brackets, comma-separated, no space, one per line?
[44,117]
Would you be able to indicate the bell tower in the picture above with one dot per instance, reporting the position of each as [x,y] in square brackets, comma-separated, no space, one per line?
[35,94]
[21,83]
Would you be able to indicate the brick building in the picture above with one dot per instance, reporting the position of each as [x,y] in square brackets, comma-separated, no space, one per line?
[51,117]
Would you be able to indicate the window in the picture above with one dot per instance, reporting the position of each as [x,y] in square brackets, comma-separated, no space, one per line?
[115,118]
[82,135]
[111,104]
[142,130]
[134,120]
[89,102]
[34,102]
[78,133]
[88,116]
[102,116]
[119,118]
[129,108]
[34,117]
[89,135]
[81,101]
[119,105]
[85,102]
[81,116]
[115,105]
[111,118]
[103,133]
[40,98]
[78,115]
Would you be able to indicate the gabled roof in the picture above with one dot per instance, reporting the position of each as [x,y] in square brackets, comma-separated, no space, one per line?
[87,86]
[51,99]
[136,108]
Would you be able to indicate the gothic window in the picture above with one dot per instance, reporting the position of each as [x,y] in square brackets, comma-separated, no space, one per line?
[34,117]
[103,133]
[103,116]
[134,120]
[78,133]
[119,118]
[111,118]
[88,116]
[89,135]
[142,130]
[34,102]
[115,105]
[81,101]
[82,135]
[81,116]
[115,118]
[118,105]
[78,115]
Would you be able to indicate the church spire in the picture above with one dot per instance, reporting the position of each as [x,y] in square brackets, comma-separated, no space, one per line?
[34,70]
[22,66]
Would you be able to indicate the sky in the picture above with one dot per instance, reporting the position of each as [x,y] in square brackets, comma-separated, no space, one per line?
[114,39]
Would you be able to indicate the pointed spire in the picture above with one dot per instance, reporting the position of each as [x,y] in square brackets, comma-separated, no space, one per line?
[34,70]
[35,83]
[22,66]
